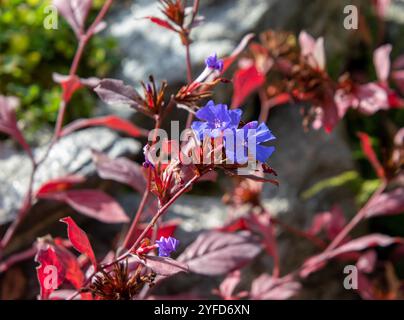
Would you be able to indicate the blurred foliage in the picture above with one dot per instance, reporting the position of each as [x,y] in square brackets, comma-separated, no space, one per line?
[29,54]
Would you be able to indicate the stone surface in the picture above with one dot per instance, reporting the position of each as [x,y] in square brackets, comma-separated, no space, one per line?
[150,49]
[71,155]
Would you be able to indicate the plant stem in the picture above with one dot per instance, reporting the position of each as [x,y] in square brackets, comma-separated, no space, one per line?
[58,128]
[18,257]
[356,219]
[146,193]
[313,239]
[161,211]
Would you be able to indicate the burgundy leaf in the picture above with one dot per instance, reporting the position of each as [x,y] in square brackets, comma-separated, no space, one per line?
[266,287]
[93,203]
[370,154]
[330,117]
[79,240]
[161,265]
[8,121]
[332,222]
[216,253]
[369,241]
[389,203]
[116,92]
[228,286]
[59,184]
[75,12]
[381,60]
[112,122]
[122,170]
[246,81]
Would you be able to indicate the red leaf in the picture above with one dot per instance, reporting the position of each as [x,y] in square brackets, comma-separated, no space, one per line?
[216,253]
[93,203]
[246,81]
[79,240]
[8,121]
[59,184]
[389,203]
[112,122]
[70,86]
[236,225]
[369,241]
[371,155]
[266,287]
[122,170]
[47,257]
[55,255]
[161,23]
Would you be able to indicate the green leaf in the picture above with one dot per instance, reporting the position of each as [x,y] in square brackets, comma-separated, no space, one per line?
[333,182]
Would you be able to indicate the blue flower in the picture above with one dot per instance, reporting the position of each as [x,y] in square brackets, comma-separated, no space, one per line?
[213,62]
[238,149]
[217,119]
[167,245]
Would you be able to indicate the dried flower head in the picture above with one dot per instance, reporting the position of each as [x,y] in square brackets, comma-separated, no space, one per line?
[119,284]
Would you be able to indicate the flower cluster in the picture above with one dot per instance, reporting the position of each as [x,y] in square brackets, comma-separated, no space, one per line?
[241,143]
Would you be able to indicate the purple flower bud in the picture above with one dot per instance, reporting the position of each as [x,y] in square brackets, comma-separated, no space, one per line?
[167,245]
[213,62]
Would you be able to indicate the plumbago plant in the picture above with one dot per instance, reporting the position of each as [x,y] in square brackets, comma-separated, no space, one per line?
[280,69]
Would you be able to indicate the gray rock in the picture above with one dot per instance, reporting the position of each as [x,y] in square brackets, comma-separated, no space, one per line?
[71,155]
[149,49]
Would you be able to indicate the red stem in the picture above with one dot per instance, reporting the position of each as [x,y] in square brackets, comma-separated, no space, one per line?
[58,127]
[18,257]
[356,219]
[161,211]
[146,193]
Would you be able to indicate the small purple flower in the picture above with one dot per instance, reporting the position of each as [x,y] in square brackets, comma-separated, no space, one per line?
[217,119]
[252,130]
[213,62]
[167,245]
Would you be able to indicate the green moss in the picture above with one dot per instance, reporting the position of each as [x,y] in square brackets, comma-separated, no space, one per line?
[29,54]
